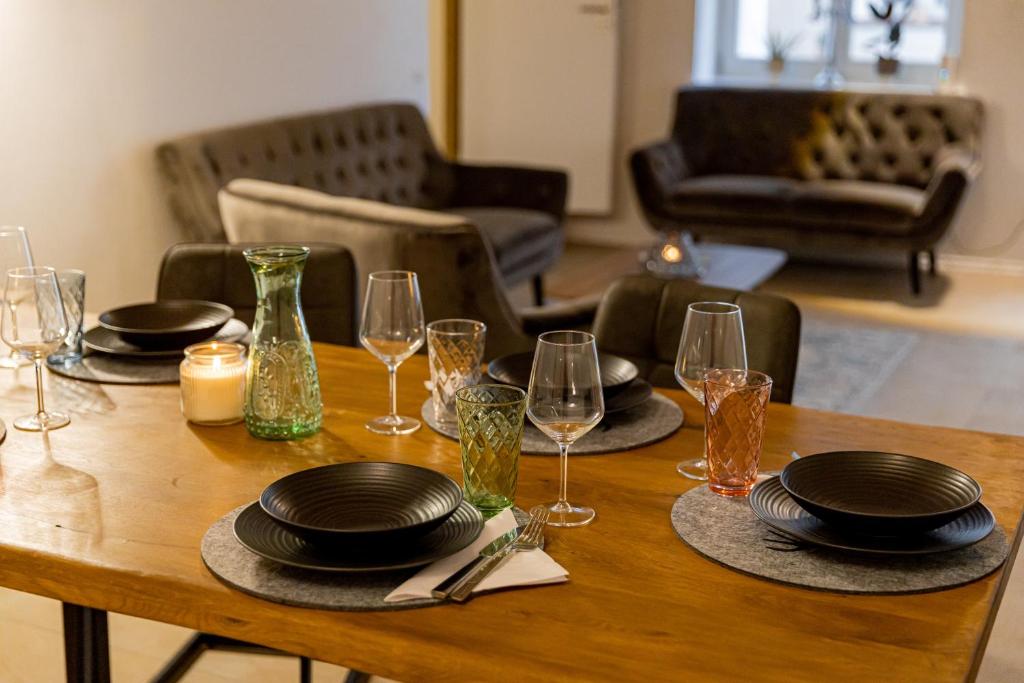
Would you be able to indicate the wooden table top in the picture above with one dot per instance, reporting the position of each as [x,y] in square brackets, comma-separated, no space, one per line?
[109,513]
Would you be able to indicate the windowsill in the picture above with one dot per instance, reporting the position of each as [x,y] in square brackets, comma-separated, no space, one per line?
[784,83]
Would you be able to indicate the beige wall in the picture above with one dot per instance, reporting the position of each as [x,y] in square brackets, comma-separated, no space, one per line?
[992,68]
[656,52]
[89,88]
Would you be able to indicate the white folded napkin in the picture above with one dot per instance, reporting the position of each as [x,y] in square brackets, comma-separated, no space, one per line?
[531,568]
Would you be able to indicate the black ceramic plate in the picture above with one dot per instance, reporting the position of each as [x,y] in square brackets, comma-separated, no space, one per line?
[258,532]
[636,393]
[616,373]
[172,324]
[886,494]
[777,509]
[105,341]
[364,503]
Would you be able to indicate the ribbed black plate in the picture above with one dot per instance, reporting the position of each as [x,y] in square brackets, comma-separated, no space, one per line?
[255,530]
[887,494]
[365,503]
[638,391]
[105,341]
[777,509]
[616,373]
[172,324]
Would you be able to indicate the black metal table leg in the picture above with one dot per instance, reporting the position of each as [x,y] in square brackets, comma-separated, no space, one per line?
[86,648]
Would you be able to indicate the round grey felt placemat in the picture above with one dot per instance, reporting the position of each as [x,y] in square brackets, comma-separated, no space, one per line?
[653,420]
[106,369]
[249,573]
[726,531]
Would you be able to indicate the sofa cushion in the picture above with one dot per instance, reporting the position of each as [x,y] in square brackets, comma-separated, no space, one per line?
[524,242]
[840,204]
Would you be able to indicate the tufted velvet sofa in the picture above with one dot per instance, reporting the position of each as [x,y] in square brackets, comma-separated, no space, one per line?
[787,168]
[381,153]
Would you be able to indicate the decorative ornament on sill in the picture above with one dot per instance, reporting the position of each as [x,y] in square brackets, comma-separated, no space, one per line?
[893,13]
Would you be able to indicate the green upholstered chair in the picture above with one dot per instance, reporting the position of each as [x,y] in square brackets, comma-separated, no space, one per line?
[641,318]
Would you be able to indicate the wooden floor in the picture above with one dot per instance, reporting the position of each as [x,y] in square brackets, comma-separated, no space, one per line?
[955,370]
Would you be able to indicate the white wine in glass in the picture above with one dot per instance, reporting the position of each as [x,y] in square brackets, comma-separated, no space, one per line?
[392,329]
[34,324]
[712,338]
[15,252]
[565,401]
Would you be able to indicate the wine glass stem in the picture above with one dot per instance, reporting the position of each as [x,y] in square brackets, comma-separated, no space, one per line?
[563,458]
[40,408]
[393,389]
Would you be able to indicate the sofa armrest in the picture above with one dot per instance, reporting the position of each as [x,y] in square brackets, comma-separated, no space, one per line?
[511,186]
[569,315]
[656,169]
[955,168]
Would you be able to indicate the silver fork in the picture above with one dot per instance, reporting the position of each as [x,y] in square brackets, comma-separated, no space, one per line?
[530,539]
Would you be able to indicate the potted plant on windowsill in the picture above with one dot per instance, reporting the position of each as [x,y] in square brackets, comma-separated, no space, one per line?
[778,47]
[893,13]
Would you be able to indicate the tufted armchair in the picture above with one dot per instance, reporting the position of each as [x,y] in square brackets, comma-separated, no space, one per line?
[834,170]
[458,273]
[380,153]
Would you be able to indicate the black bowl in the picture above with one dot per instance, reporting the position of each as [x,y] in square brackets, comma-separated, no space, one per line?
[362,503]
[617,373]
[167,324]
[881,494]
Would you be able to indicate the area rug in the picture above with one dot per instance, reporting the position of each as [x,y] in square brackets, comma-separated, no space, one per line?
[842,365]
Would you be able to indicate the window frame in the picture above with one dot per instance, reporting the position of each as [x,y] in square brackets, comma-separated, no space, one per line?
[729,66]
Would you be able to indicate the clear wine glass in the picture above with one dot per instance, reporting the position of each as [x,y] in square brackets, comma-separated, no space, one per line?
[712,338]
[15,252]
[392,329]
[565,401]
[33,323]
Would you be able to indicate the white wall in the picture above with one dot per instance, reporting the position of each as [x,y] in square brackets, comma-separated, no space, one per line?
[89,88]
[656,59]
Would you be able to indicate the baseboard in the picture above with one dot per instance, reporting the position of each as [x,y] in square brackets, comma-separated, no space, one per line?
[965,263]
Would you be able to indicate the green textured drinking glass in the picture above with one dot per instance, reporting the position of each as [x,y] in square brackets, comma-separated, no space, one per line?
[490,435]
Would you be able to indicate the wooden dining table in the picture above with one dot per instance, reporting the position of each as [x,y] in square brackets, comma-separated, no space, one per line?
[108,513]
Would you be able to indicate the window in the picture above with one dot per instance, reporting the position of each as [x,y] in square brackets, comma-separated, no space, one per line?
[738,36]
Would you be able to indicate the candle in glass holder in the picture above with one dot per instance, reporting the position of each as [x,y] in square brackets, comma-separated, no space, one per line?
[213,383]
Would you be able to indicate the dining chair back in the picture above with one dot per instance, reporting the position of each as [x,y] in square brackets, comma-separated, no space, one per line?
[219,272]
[641,318]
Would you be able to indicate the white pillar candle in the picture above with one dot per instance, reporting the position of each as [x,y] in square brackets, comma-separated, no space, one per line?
[213,383]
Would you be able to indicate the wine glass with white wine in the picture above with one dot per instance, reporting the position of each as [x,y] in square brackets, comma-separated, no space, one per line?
[392,329]
[565,401]
[15,252]
[712,338]
[33,323]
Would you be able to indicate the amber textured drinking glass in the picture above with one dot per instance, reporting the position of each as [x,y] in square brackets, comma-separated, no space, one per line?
[490,436]
[735,406]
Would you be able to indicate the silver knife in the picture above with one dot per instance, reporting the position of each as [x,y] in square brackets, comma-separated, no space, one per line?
[445,588]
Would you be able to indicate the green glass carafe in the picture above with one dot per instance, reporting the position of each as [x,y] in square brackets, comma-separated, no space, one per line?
[282,389]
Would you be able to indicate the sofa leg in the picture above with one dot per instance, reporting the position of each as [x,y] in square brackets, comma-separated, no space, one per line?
[914,266]
[538,290]
[932,266]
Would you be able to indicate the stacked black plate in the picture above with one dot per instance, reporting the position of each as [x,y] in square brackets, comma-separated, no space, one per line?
[162,329]
[359,517]
[872,502]
[623,389]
